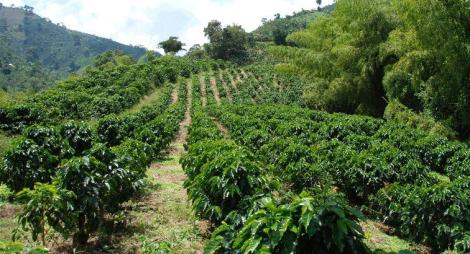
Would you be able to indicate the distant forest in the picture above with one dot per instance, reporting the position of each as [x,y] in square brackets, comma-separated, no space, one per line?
[34,51]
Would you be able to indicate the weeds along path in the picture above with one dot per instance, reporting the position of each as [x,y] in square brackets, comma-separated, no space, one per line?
[215,91]
[146,100]
[164,221]
[238,78]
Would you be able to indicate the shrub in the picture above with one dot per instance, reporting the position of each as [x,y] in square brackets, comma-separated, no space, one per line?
[19,248]
[47,206]
[78,135]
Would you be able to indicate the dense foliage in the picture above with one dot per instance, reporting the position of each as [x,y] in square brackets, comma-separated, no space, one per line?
[172,45]
[17,74]
[436,214]
[319,224]
[412,51]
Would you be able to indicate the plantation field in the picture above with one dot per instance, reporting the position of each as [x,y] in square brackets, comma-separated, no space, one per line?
[206,157]
[342,128]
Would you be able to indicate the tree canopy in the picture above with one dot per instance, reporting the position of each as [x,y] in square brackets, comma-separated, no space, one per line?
[227,43]
[172,45]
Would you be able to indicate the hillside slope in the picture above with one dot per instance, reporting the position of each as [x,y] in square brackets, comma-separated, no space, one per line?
[32,46]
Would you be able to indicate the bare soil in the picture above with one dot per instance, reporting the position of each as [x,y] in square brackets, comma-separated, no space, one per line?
[203,91]
[215,91]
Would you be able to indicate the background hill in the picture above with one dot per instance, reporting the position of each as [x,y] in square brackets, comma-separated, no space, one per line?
[32,46]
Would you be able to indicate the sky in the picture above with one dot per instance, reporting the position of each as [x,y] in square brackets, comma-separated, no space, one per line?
[147,22]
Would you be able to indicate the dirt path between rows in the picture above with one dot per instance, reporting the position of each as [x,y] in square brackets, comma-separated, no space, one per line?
[221,128]
[202,82]
[245,76]
[165,215]
[174,94]
[215,91]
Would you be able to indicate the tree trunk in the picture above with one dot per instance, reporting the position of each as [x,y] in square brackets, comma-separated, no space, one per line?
[80,238]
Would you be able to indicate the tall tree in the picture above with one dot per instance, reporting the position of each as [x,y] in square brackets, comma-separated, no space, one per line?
[229,43]
[172,45]
[213,29]
[196,52]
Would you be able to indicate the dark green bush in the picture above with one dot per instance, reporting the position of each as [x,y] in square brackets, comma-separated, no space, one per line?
[28,163]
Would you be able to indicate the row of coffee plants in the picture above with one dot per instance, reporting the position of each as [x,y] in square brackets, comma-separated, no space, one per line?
[73,181]
[228,185]
[262,85]
[222,86]
[209,91]
[290,87]
[99,92]
[112,129]
[402,175]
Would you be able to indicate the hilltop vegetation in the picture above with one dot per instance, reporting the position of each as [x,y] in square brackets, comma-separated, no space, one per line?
[277,29]
[32,46]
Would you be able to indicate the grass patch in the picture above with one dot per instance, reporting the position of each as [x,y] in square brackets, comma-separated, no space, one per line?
[146,100]
[8,220]
[170,161]
[5,143]
[377,239]
[162,220]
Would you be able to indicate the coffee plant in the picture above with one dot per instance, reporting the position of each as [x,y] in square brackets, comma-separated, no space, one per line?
[360,157]
[306,224]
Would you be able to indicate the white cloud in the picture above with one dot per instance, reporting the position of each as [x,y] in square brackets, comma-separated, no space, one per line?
[146,22]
